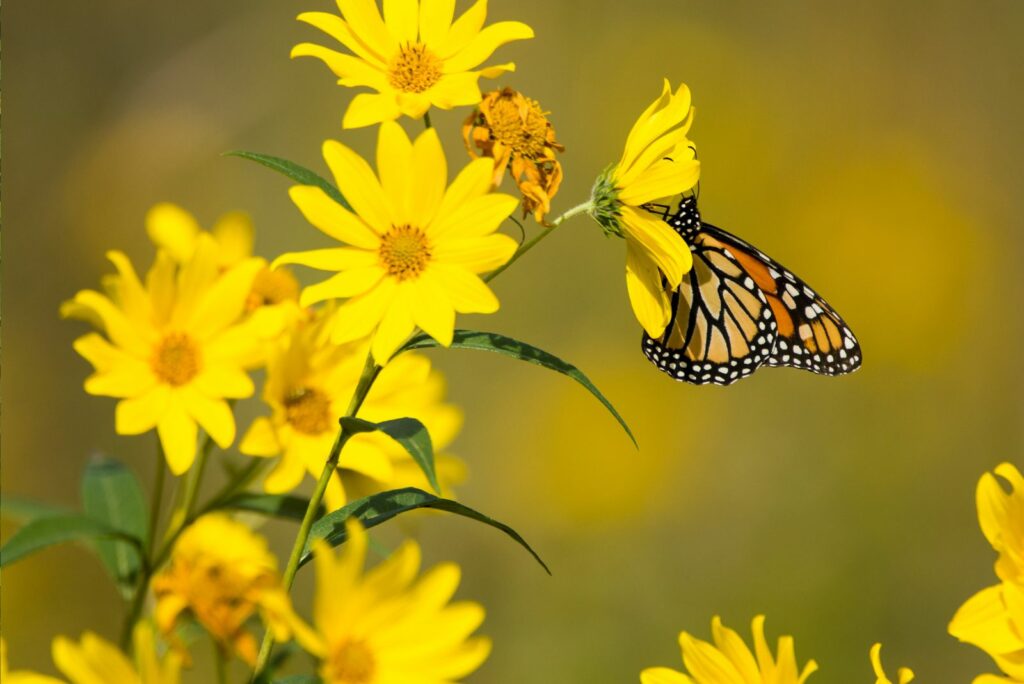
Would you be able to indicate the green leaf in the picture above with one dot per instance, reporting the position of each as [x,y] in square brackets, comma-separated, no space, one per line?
[299,174]
[299,679]
[27,510]
[500,344]
[111,494]
[378,508]
[408,432]
[45,532]
[277,505]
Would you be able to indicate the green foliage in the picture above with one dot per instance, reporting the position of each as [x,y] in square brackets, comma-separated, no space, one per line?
[378,508]
[500,344]
[50,530]
[297,173]
[111,494]
[410,433]
[27,510]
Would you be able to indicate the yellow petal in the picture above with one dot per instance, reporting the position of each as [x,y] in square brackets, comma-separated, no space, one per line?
[475,218]
[475,180]
[668,111]
[213,414]
[435,20]
[331,218]
[466,292]
[195,278]
[367,109]
[330,259]
[731,645]
[395,326]
[335,26]
[162,287]
[456,90]
[364,21]
[402,18]
[142,413]
[224,381]
[122,332]
[128,379]
[432,311]
[663,675]
[466,658]
[413,105]
[476,254]
[132,297]
[484,43]
[224,303]
[396,168]
[497,70]
[260,439]
[662,245]
[351,71]
[358,316]
[984,622]
[706,663]
[178,434]
[233,233]
[663,179]
[173,229]
[287,474]
[350,283]
[100,353]
[429,172]
[363,454]
[359,185]
[648,298]
[463,30]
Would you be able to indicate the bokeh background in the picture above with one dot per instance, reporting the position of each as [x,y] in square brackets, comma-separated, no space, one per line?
[874,147]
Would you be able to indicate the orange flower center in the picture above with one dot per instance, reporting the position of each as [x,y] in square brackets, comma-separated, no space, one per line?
[176,359]
[519,123]
[414,69]
[308,410]
[351,663]
[272,287]
[404,252]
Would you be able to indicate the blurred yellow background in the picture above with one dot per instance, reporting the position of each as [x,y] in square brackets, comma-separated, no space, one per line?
[872,147]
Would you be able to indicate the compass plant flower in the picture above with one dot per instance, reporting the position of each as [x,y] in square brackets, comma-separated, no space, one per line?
[514,131]
[94,660]
[729,659]
[308,387]
[173,350]
[657,162]
[414,246]
[415,56]
[387,625]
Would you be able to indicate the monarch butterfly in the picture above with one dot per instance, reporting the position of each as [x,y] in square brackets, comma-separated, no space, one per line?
[738,309]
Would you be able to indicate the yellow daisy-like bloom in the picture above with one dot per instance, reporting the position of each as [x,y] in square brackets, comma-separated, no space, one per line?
[274,293]
[1001,516]
[514,131]
[415,56]
[175,347]
[993,620]
[20,676]
[903,675]
[658,161]
[223,574]
[386,626]
[95,660]
[416,247]
[309,384]
[730,661]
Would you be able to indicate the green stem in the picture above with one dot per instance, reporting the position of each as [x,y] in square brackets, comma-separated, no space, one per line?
[366,380]
[221,662]
[158,497]
[530,244]
[426,120]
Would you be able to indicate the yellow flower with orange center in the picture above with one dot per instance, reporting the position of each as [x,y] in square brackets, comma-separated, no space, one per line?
[223,574]
[309,384]
[416,246]
[388,626]
[514,131]
[175,348]
[415,56]
[658,161]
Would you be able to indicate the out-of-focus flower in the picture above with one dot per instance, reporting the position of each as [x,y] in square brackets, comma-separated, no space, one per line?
[415,57]
[658,161]
[20,676]
[730,660]
[175,348]
[416,247]
[309,384]
[387,626]
[97,661]
[903,675]
[274,294]
[1001,516]
[514,131]
[223,574]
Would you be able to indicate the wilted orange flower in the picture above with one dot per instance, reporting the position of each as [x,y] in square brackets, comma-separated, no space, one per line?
[513,130]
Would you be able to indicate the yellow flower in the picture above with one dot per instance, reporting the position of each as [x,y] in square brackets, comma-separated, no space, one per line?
[417,247]
[387,626]
[658,161]
[174,350]
[275,294]
[903,675]
[20,676]
[309,384]
[1001,515]
[415,57]
[97,661]
[223,574]
[729,660]
[993,620]
[514,131]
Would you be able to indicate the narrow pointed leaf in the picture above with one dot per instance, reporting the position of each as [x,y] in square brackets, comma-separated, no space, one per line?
[297,173]
[45,532]
[500,344]
[378,508]
[27,510]
[277,505]
[411,434]
[111,494]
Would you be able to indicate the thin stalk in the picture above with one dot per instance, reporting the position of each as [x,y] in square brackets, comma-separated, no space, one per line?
[366,380]
[426,120]
[158,495]
[530,244]
[184,508]
[221,662]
